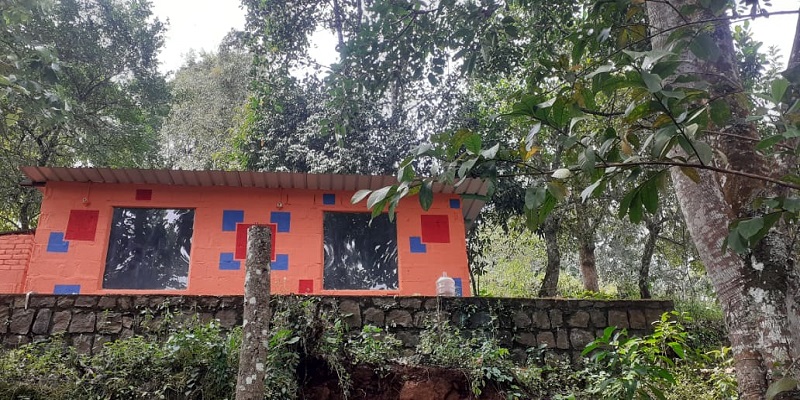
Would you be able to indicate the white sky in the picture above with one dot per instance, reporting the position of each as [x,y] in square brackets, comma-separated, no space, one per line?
[201,25]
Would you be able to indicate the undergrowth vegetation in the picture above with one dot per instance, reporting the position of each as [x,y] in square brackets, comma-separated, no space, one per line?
[199,361]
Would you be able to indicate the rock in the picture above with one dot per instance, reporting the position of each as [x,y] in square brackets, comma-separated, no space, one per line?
[526,339]
[5,312]
[21,321]
[521,320]
[578,320]
[424,319]
[351,314]
[618,318]
[83,343]
[99,340]
[86,301]
[400,318]
[480,319]
[637,319]
[431,304]
[598,318]
[652,315]
[580,338]
[61,320]
[556,318]
[107,303]
[227,318]
[15,340]
[82,322]
[42,301]
[562,341]
[109,322]
[374,316]
[546,338]
[413,303]
[124,303]
[384,302]
[541,320]
[66,301]
[409,339]
[41,325]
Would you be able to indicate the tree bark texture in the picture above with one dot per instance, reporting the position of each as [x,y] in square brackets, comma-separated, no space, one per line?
[550,282]
[755,291]
[586,230]
[256,315]
[653,229]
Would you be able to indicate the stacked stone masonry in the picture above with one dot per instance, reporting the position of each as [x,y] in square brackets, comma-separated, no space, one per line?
[564,327]
[15,251]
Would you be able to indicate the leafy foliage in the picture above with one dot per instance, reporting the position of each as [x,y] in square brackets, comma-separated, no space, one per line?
[209,93]
[78,85]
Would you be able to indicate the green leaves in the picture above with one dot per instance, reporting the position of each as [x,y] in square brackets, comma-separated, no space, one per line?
[643,197]
[745,233]
[705,47]
[778,89]
[473,143]
[652,81]
[539,202]
[426,195]
[782,385]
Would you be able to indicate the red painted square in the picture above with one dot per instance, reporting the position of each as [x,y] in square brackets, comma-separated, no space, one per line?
[82,225]
[241,241]
[306,286]
[144,194]
[435,228]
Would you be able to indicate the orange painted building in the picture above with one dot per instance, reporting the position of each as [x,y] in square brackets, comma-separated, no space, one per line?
[184,232]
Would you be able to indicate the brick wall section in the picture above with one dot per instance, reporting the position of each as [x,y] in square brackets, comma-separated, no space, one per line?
[15,253]
[563,326]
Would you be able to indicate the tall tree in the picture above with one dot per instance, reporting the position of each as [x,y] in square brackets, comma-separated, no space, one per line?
[80,86]
[757,291]
[666,85]
[209,93]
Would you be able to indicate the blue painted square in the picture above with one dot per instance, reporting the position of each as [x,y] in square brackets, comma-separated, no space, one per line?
[459,288]
[416,245]
[455,203]
[281,219]
[281,263]
[329,199]
[67,289]
[227,263]
[56,243]
[230,218]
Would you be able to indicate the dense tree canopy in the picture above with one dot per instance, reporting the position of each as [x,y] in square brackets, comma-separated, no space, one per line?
[79,85]
[209,93]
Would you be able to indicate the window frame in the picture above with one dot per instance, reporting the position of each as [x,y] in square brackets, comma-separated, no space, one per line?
[387,291]
[108,241]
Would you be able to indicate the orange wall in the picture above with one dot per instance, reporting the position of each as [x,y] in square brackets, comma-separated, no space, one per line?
[15,251]
[58,267]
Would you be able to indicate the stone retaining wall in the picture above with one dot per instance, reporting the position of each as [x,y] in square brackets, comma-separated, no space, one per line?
[563,326]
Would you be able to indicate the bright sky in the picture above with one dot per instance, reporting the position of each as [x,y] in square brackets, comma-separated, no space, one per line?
[201,25]
[195,24]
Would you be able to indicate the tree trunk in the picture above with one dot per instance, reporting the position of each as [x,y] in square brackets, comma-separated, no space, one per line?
[653,229]
[588,265]
[256,315]
[550,281]
[754,291]
[586,247]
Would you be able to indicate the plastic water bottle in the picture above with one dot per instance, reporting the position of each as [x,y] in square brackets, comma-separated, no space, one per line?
[445,286]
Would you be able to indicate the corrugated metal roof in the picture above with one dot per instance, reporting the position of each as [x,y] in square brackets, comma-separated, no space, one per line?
[270,180]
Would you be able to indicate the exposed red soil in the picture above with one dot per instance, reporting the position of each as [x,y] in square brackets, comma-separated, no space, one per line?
[394,382]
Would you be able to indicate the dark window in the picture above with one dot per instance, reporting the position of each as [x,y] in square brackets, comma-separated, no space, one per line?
[359,255]
[149,249]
